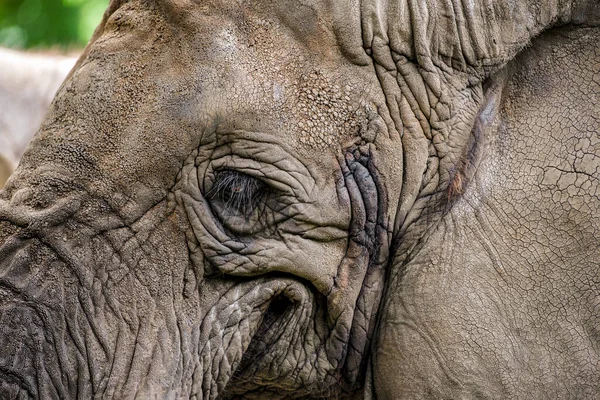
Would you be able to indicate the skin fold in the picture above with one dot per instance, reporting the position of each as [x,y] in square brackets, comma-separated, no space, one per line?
[312,200]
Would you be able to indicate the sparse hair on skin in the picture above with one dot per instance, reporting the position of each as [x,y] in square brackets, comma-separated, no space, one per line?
[238,192]
[459,181]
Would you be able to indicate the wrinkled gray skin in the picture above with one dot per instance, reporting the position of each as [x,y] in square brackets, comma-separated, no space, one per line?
[28,82]
[276,199]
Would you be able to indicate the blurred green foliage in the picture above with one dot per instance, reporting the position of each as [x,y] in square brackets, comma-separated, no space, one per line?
[49,23]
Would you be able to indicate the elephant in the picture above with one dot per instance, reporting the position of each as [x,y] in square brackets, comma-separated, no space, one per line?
[28,82]
[374,199]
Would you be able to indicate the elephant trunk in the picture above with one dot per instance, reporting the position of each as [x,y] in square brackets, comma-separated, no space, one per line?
[34,334]
[76,319]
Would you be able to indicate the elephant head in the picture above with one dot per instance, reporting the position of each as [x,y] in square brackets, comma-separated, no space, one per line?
[282,199]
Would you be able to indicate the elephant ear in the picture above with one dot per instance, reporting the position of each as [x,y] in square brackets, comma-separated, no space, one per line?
[440,64]
[443,64]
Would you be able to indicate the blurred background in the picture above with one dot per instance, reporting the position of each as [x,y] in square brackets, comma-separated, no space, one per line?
[40,41]
[63,25]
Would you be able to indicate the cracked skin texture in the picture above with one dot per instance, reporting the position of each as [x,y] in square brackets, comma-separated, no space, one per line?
[502,298]
[312,200]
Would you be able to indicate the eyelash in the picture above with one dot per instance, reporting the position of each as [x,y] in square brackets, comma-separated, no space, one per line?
[239,193]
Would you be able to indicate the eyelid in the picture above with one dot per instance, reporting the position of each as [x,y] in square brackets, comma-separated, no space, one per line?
[248,188]
[231,176]
[238,194]
[280,180]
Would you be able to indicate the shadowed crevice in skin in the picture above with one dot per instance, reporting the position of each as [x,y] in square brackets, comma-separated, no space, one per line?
[276,318]
[277,310]
[364,165]
[465,168]
[230,326]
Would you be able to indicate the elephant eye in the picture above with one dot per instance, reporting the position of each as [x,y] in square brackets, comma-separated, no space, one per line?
[236,193]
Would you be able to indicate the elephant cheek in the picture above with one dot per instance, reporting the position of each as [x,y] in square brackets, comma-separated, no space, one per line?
[404,363]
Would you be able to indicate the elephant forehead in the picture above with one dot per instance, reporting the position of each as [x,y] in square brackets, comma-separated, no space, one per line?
[157,79]
[252,61]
